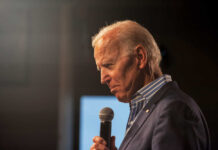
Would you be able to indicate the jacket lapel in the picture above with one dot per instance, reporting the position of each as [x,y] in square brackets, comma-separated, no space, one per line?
[143,115]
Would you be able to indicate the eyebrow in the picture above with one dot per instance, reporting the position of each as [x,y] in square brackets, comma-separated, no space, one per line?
[103,65]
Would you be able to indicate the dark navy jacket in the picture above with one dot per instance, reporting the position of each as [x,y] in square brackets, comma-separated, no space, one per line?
[170,121]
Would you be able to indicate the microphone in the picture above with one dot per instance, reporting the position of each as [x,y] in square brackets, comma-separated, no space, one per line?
[106,115]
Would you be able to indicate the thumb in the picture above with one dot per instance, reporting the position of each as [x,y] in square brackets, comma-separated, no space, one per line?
[113,147]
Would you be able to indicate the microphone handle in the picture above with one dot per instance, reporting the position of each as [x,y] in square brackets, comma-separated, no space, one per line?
[105,132]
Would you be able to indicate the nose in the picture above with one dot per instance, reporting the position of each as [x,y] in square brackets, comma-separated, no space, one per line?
[105,77]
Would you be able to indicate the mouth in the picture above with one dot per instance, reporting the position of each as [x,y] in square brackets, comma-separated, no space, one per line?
[113,89]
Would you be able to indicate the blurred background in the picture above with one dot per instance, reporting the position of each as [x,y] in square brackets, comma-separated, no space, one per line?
[46,62]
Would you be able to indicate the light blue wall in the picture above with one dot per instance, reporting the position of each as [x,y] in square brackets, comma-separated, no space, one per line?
[90,107]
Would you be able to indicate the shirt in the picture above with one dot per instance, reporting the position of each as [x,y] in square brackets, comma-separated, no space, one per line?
[142,97]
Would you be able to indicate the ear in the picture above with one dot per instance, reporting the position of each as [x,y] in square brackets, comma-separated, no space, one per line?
[141,56]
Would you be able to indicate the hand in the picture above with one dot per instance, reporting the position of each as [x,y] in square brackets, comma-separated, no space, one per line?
[100,144]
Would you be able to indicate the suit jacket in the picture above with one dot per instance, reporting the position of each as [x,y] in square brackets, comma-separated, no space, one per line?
[170,121]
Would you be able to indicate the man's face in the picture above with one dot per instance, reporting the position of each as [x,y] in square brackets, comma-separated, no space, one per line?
[119,71]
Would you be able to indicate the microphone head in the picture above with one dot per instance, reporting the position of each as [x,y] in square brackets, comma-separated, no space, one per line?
[106,114]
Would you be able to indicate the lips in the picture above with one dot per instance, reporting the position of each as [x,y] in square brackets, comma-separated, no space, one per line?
[113,89]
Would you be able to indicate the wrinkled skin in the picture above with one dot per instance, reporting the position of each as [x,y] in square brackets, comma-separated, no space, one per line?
[124,74]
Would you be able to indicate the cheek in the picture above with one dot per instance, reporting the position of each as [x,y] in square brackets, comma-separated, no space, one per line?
[127,78]
[125,73]
[118,77]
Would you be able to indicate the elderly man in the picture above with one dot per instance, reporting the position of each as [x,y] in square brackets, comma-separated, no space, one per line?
[162,117]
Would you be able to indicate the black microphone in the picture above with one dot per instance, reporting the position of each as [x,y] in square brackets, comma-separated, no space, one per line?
[106,115]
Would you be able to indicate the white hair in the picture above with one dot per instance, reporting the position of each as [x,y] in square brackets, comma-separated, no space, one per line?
[130,34]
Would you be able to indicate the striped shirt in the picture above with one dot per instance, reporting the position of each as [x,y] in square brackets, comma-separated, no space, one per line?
[142,97]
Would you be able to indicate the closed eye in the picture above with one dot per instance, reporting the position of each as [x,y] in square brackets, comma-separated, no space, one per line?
[107,65]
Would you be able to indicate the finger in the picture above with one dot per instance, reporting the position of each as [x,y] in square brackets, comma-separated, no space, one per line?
[113,147]
[100,140]
[97,146]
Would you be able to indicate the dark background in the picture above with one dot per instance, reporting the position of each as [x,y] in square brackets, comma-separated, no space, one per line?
[46,62]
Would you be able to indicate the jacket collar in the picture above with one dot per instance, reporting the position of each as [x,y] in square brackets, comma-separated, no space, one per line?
[144,114]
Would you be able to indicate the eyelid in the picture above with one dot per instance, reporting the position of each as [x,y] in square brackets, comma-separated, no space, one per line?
[107,65]
[104,66]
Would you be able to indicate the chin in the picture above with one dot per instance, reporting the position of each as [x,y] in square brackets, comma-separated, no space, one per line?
[123,99]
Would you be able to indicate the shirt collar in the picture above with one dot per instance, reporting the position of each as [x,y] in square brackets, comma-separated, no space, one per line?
[151,88]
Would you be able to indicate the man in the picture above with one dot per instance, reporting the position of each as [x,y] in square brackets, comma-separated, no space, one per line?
[162,117]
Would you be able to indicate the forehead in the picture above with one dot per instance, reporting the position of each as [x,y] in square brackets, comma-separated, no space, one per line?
[106,52]
[106,46]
